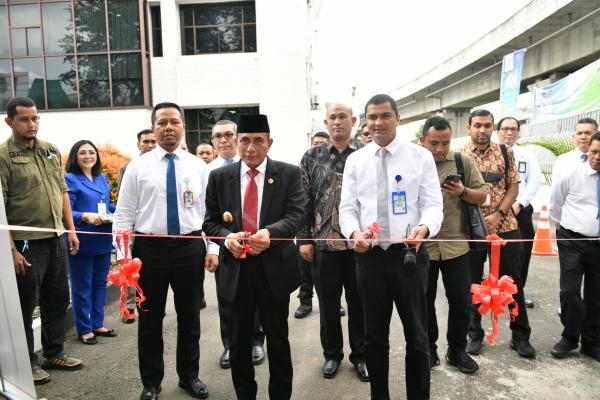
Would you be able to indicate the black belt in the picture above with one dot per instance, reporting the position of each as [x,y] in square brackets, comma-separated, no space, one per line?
[171,241]
[591,241]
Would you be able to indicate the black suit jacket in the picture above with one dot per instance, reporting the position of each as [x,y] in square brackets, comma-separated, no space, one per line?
[282,213]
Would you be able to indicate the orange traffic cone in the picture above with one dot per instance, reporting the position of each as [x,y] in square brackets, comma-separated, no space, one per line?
[542,244]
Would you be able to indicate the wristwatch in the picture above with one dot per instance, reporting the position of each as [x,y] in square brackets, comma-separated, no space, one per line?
[502,213]
[464,193]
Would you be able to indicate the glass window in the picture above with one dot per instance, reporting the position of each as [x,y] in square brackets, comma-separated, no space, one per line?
[199,122]
[61,82]
[38,57]
[218,28]
[29,79]
[56,22]
[91,26]
[26,42]
[124,25]
[25,15]
[157,50]
[4,44]
[5,84]
[93,81]
[126,72]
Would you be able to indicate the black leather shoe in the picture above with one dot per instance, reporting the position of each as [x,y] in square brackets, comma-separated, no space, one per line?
[342,311]
[107,333]
[474,346]
[150,393]
[529,303]
[258,355]
[590,351]
[224,360]
[362,372]
[462,361]
[562,348]
[195,388]
[522,347]
[90,340]
[303,310]
[330,369]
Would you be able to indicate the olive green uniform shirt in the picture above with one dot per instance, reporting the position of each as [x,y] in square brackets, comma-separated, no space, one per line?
[33,185]
[453,225]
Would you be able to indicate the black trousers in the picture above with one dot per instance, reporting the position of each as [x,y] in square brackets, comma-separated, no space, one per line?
[509,265]
[305,293]
[259,334]
[333,271]
[579,316]
[456,275]
[177,263]
[384,280]
[253,291]
[46,283]
[526,230]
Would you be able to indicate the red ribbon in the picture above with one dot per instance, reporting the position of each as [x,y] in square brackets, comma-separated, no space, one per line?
[494,294]
[372,231]
[127,275]
[247,246]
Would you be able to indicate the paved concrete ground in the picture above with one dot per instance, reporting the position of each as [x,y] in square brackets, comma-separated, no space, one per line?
[111,370]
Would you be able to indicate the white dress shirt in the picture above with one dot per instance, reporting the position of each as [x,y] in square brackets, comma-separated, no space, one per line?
[142,203]
[260,184]
[219,162]
[410,169]
[574,201]
[531,178]
[565,163]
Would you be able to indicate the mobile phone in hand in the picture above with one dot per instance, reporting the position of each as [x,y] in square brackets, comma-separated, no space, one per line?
[451,178]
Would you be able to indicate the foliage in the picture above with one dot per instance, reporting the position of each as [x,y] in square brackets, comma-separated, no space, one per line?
[112,162]
[555,145]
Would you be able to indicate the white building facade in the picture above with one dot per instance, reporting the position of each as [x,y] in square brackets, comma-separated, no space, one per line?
[99,81]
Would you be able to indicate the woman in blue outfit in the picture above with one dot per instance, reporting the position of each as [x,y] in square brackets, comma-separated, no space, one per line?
[89,194]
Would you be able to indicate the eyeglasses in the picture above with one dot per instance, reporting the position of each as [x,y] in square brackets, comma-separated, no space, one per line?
[507,129]
[366,133]
[227,135]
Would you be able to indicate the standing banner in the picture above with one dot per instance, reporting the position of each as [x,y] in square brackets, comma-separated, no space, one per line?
[574,94]
[510,82]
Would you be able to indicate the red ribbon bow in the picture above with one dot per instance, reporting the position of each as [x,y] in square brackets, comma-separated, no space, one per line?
[247,247]
[127,275]
[494,294]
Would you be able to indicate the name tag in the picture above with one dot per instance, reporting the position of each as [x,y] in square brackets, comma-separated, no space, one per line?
[102,209]
[188,199]
[399,203]
[522,167]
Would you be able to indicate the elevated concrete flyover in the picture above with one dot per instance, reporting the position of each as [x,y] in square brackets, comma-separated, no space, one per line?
[560,37]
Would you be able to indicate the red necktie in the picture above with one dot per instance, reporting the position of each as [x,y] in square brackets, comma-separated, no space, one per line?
[250,218]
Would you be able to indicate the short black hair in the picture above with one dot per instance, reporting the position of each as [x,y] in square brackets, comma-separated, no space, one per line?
[588,120]
[506,118]
[143,132]
[320,134]
[166,104]
[363,126]
[380,99]
[595,136]
[72,165]
[11,106]
[436,122]
[480,113]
